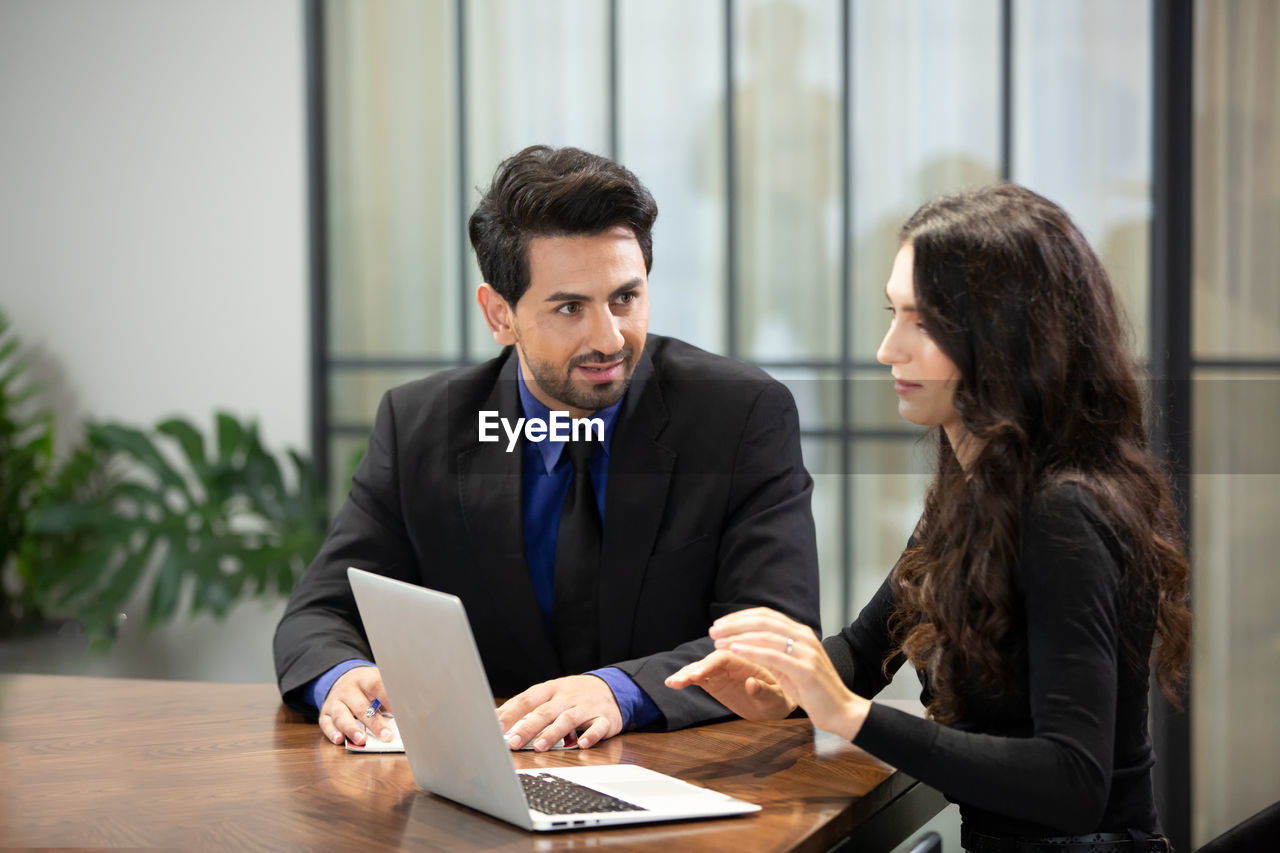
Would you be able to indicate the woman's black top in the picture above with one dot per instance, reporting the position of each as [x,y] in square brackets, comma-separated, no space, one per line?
[1065,749]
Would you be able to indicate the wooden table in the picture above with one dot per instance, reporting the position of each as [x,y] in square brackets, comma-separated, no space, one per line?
[89,762]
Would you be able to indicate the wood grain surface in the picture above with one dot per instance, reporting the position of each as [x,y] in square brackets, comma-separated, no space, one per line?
[91,762]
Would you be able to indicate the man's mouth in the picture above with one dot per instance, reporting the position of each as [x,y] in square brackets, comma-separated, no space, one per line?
[605,372]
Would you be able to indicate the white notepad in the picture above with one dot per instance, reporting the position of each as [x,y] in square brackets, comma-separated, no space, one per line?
[373,744]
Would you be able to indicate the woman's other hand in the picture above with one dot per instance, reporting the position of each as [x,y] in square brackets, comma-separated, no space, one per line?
[748,690]
[795,662]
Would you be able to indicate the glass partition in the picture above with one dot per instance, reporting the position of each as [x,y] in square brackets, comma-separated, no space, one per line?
[1236,396]
[785,142]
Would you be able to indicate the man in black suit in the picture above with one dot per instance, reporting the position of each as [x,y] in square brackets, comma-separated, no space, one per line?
[590,569]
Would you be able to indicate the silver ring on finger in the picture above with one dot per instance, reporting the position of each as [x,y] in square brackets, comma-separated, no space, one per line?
[790,645]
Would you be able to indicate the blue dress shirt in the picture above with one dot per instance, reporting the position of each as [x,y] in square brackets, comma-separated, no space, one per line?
[548,474]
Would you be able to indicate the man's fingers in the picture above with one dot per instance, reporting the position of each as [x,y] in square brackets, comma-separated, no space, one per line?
[596,732]
[522,705]
[343,716]
[352,730]
[353,723]
[343,713]
[555,709]
[376,724]
[562,726]
[337,723]
[330,730]
[524,729]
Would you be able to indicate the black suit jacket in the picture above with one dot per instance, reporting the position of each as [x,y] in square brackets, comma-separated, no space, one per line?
[707,511]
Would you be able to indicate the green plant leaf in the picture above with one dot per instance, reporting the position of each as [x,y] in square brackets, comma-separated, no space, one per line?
[188,438]
[78,576]
[114,596]
[141,495]
[63,519]
[26,449]
[166,591]
[137,446]
[8,348]
[212,596]
[230,438]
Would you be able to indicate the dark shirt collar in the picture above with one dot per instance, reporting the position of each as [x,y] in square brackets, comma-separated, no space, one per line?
[550,450]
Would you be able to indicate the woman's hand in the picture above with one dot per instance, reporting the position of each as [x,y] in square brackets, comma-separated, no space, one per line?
[795,661]
[748,690]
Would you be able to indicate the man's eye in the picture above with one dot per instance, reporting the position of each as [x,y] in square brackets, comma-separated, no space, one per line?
[568,308]
[626,298]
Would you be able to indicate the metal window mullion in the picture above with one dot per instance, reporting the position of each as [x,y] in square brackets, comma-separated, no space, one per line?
[611,34]
[1006,90]
[730,190]
[847,534]
[1171,237]
[464,245]
[317,228]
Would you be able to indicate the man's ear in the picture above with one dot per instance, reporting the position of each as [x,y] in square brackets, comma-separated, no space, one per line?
[497,314]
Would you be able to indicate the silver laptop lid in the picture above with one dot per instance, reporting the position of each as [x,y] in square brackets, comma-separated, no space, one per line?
[439,694]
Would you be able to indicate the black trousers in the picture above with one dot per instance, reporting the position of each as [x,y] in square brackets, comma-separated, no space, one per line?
[1097,842]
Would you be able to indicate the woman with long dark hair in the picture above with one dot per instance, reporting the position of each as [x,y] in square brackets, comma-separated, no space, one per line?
[1046,578]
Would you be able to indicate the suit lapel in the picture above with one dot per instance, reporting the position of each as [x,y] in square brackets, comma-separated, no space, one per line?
[639,476]
[490,489]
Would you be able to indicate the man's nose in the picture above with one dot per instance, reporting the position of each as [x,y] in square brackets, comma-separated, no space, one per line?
[605,335]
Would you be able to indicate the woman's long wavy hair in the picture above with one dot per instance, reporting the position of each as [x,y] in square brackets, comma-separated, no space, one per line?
[1010,290]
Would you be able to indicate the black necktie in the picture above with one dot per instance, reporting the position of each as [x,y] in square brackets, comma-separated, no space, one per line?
[577,567]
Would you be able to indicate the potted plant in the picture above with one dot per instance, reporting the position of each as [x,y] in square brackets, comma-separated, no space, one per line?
[196,525]
[26,453]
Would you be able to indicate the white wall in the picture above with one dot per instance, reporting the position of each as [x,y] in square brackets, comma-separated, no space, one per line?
[153,221]
[153,205]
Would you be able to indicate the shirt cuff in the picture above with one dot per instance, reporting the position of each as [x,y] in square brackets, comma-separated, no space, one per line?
[314,693]
[636,706]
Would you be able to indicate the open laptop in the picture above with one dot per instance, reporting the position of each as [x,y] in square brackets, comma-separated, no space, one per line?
[444,710]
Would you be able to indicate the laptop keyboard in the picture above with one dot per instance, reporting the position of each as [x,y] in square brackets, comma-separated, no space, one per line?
[554,795]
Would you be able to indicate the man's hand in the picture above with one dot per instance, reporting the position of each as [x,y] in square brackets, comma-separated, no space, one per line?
[351,695]
[557,709]
[745,688]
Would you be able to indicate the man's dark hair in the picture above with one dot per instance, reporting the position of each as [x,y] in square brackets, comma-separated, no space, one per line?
[553,192]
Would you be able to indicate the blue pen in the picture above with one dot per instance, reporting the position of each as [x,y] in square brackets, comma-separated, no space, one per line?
[373,709]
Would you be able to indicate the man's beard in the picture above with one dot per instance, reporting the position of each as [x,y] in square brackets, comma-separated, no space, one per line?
[592,397]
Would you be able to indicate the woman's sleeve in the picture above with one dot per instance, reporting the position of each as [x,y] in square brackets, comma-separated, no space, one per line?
[1059,776]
